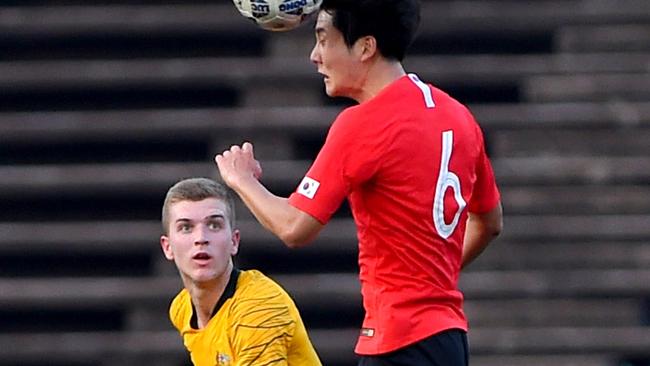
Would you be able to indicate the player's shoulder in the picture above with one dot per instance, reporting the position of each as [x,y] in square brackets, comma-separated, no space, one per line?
[351,123]
[259,293]
[259,302]
[349,116]
[253,283]
[179,308]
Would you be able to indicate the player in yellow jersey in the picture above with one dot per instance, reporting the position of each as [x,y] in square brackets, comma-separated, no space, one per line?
[226,316]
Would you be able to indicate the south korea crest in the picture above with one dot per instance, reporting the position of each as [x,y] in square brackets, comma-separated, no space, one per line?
[308,187]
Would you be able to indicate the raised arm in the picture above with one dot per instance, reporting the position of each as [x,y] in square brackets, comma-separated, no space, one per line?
[241,172]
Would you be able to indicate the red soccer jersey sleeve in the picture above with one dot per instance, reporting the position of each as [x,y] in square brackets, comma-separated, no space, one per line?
[335,172]
[485,194]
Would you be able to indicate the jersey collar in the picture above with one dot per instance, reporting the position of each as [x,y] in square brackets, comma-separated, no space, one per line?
[227,294]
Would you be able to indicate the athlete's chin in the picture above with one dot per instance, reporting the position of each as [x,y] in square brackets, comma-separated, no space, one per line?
[342,90]
[329,90]
[332,91]
[204,275]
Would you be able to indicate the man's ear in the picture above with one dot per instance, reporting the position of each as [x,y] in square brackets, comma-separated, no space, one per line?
[166,247]
[368,46]
[235,242]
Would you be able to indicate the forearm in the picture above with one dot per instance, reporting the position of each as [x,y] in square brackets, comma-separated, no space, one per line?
[476,240]
[480,231]
[267,208]
[274,213]
[240,171]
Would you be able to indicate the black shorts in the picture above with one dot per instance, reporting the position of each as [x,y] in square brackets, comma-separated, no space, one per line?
[447,348]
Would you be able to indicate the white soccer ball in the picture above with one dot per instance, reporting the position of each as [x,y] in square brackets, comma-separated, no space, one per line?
[278,15]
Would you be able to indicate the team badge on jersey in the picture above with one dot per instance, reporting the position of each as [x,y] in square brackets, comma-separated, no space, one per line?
[223,359]
[308,187]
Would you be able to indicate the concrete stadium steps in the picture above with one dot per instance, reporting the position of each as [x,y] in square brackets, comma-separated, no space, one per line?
[553,312]
[126,190]
[76,292]
[108,14]
[545,360]
[522,227]
[512,284]
[112,236]
[546,14]
[321,307]
[554,340]
[566,199]
[539,175]
[553,301]
[131,248]
[335,346]
[76,126]
[530,142]
[564,115]
[321,288]
[450,27]
[577,227]
[253,81]
[551,170]
[601,87]
[134,17]
[73,125]
[629,38]
[95,348]
[502,23]
[212,123]
[278,133]
[333,354]
[595,199]
[490,68]
[563,255]
[245,70]
[554,283]
[338,252]
[127,31]
[115,236]
[544,242]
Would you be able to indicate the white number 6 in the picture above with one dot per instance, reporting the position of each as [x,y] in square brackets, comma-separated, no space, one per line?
[446,180]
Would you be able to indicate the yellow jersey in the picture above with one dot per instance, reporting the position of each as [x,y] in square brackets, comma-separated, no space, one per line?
[255,322]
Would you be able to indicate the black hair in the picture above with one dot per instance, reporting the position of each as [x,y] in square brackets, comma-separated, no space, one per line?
[393,23]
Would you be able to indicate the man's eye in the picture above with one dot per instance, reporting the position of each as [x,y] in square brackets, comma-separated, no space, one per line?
[184,228]
[214,225]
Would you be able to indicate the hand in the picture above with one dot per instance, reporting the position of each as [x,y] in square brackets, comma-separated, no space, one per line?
[238,164]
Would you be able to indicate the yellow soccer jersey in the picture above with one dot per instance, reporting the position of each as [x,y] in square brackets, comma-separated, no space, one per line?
[255,323]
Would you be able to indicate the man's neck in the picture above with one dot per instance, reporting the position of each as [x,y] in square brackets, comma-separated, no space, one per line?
[379,75]
[205,297]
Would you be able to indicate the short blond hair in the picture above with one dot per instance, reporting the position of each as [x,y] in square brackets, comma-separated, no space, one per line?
[198,189]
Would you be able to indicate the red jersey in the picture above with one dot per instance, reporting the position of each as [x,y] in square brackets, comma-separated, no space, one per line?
[412,163]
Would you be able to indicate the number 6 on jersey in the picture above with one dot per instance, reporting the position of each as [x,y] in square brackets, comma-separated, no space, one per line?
[446,179]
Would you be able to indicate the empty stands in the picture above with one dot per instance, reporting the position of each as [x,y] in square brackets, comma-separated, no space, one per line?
[104,104]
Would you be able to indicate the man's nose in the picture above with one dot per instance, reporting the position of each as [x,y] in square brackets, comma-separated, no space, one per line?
[201,237]
[313,56]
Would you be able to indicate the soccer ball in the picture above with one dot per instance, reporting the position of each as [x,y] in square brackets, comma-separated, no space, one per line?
[278,15]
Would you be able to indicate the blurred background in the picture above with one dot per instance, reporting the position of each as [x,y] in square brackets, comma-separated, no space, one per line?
[106,103]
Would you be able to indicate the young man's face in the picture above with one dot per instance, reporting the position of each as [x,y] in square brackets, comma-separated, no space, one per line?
[200,240]
[340,66]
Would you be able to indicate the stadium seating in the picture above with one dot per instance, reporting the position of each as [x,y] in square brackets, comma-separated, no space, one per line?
[106,103]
